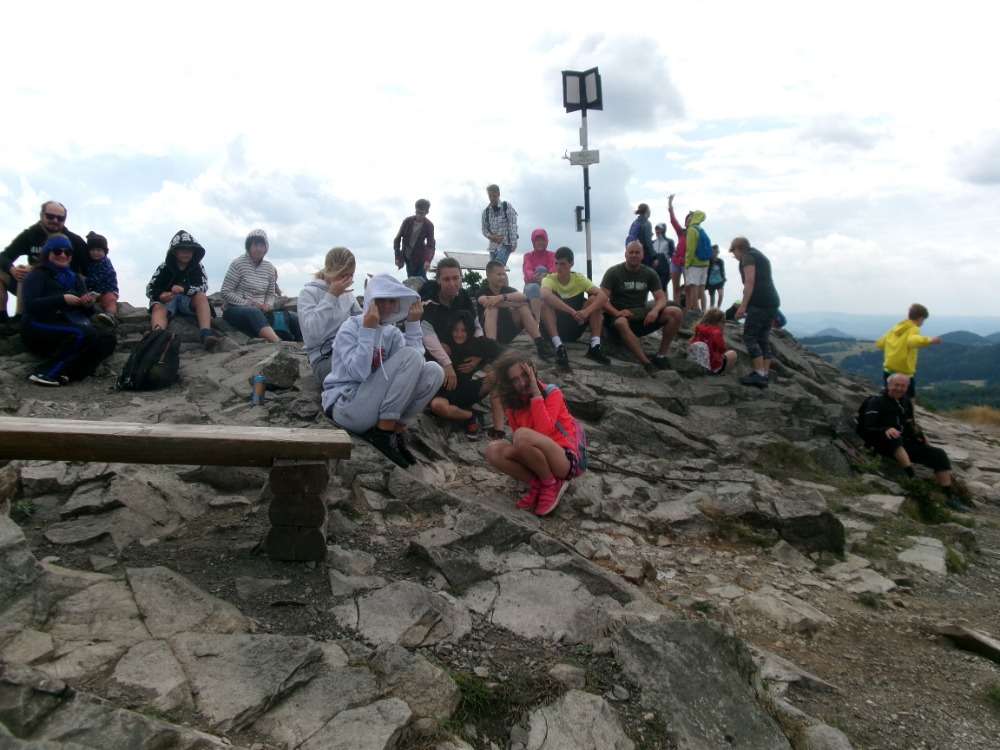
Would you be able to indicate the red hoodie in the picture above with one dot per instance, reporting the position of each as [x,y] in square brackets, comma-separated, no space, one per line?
[538,258]
[541,415]
[711,335]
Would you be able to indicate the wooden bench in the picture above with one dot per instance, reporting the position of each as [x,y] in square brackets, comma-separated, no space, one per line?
[298,460]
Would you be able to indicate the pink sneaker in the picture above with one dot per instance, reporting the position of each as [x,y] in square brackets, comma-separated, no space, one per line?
[530,498]
[549,495]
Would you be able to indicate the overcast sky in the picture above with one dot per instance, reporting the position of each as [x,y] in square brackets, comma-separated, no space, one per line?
[858,146]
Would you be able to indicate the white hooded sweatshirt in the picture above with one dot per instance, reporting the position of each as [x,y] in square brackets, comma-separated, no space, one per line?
[320,317]
[354,350]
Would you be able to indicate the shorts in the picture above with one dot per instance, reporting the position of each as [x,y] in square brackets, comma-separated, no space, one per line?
[533,291]
[696,275]
[574,464]
[715,287]
[677,268]
[911,390]
[467,393]
[636,322]
[9,282]
[567,327]
[507,327]
[179,305]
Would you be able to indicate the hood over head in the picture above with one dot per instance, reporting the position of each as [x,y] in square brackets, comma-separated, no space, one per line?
[384,286]
[257,235]
[540,233]
[183,240]
[697,217]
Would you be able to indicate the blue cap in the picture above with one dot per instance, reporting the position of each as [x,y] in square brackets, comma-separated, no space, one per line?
[56,241]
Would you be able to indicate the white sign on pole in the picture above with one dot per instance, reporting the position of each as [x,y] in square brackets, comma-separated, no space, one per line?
[584,158]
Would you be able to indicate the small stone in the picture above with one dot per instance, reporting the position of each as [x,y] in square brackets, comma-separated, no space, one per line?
[349,562]
[620,693]
[229,501]
[569,675]
[603,647]
[100,563]
[481,672]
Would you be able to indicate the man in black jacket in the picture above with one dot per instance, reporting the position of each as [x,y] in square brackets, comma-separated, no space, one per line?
[413,244]
[51,220]
[886,423]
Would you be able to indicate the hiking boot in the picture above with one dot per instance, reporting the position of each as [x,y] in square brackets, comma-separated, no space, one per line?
[385,443]
[597,354]
[549,495]
[42,379]
[209,340]
[530,499]
[649,368]
[953,503]
[403,449]
[105,320]
[754,378]
[562,358]
[495,434]
[660,362]
[472,427]
[544,348]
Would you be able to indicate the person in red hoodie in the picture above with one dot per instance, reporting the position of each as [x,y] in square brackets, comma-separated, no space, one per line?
[538,264]
[708,345]
[544,451]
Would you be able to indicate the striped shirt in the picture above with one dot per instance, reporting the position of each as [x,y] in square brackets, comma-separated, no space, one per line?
[247,283]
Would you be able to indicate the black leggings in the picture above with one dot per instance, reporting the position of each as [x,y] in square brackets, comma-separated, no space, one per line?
[72,349]
[757,331]
[933,458]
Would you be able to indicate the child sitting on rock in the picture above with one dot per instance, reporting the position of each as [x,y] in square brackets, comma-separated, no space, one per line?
[548,443]
[471,353]
[708,345]
[102,280]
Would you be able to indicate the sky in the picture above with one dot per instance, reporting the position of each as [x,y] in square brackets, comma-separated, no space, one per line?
[857,145]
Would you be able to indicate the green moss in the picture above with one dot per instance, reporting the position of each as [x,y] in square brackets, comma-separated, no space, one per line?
[22,510]
[955,560]
[993,696]
[783,460]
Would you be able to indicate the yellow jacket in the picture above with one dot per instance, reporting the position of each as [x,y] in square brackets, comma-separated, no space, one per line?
[900,344]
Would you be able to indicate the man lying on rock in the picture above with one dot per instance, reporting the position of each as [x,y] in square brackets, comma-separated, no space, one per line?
[379,381]
[886,423]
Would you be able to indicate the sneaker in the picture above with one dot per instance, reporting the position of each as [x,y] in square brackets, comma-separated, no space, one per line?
[472,428]
[385,443]
[530,499]
[754,378]
[105,320]
[403,449]
[597,354]
[549,496]
[40,379]
[649,368]
[544,348]
[660,362]
[210,341]
[953,503]
[562,357]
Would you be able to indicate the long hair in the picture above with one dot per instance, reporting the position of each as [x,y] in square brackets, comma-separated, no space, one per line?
[713,317]
[508,395]
[338,260]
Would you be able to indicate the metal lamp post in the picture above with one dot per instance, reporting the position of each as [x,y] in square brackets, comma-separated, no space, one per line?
[582,91]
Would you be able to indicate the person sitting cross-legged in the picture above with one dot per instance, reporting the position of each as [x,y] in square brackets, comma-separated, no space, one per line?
[472,353]
[571,303]
[179,287]
[504,312]
[545,450]
[250,289]
[379,381]
[627,287]
[887,424]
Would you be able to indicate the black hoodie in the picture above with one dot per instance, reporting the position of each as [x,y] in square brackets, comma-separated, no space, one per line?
[30,242]
[193,278]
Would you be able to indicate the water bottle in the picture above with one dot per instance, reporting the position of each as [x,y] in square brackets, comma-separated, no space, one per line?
[259,388]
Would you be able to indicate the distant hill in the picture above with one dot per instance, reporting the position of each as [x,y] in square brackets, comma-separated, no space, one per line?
[966,338]
[993,338]
[831,334]
[871,326]
[941,363]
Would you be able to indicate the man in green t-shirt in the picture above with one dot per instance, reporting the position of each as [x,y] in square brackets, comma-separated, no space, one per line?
[566,310]
[627,311]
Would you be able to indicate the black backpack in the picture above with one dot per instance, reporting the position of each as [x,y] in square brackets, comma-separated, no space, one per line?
[153,364]
[867,417]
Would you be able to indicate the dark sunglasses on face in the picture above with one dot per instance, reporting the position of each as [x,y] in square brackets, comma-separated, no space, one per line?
[55,217]
[61,251]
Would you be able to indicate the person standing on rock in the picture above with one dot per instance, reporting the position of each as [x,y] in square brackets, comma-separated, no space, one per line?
[179,287]
[250,288]
[499,226]
[413,244]
[324,304]
[901,345]
[641,230]
[663,251]
[546,450]
[379,381]
[886,423]
[759,307]
[627,287]
[571,303]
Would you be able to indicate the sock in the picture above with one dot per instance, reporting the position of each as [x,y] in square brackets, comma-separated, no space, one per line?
[556,342]
[909,472]
[595,341]
[762,373]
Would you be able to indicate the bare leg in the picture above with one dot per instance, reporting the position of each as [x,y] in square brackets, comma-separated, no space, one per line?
[499,455]
[730,356]
[202,310]
[268,333]
[108,302]
[631,340]
[675,281]
[721,290]
[943,478]
[490,315]
[496,411]
[671,318]
[536,308]
[524,316]
[692,302]
[549,320]
[902,457]
[596,321]
[159,316]
[701,298]
[440,407]
[532,444]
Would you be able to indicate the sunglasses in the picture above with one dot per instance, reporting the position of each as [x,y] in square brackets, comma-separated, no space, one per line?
[55,217]
[61,251]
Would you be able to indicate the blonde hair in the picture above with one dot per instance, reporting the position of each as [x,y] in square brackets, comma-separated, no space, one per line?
[713,317]
[338,260]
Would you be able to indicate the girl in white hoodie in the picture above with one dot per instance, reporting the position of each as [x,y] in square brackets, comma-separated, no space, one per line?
[325,303]
[379,380]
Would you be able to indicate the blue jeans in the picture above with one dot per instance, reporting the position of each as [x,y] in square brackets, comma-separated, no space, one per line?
[501,253]
[246,319]
[415,267]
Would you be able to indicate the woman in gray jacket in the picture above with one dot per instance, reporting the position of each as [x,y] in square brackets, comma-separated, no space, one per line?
[325,303]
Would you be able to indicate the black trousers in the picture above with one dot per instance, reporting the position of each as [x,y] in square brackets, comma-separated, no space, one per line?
[933,458]
[71,349]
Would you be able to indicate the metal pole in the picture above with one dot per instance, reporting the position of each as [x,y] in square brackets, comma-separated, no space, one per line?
[586,196]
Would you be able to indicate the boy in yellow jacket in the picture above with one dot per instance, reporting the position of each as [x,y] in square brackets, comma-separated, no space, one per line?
[900,344]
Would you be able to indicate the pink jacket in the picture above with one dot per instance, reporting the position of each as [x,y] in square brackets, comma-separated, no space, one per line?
[538,258]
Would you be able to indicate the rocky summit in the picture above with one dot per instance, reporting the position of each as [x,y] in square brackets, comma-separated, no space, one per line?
[733,570]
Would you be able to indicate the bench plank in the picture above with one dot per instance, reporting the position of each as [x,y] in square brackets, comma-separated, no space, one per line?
[198,445]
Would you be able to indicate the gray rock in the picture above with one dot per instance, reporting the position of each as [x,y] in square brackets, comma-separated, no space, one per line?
[100,563]
[867,581]
[18,567]
[171,604]
[460,568]
[577,721]
[342,585]
[102,613]
[27,698]
[426,688]
[27,647]
[405,613]
[571,676]
[786,554]
[807,523]
[88,499]
[281,368]
[10,485]
[348,561]
[698,679]
[228,479]
[927,553]
[972,640]
[374,727]
[786,611]
[149,673]
[824,737]
[480,527]
[79,531]
[265,667]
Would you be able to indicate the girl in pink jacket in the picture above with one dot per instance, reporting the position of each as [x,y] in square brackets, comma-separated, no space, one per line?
[538,264]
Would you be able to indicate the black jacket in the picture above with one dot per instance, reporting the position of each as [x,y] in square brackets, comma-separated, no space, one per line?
[193,278]
[881,412]
[442,317]
[30,242]
[43,297]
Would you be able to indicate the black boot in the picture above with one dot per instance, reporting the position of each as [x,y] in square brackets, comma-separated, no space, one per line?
[385,443]
[403,450]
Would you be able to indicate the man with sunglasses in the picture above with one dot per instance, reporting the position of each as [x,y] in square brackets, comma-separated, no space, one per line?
[51,221]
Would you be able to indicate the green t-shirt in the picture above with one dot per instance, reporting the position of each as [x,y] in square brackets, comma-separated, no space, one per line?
[629,289]
[578,284]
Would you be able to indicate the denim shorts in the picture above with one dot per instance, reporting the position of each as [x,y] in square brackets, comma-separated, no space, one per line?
[533,291]
[676,268]
[180,305]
